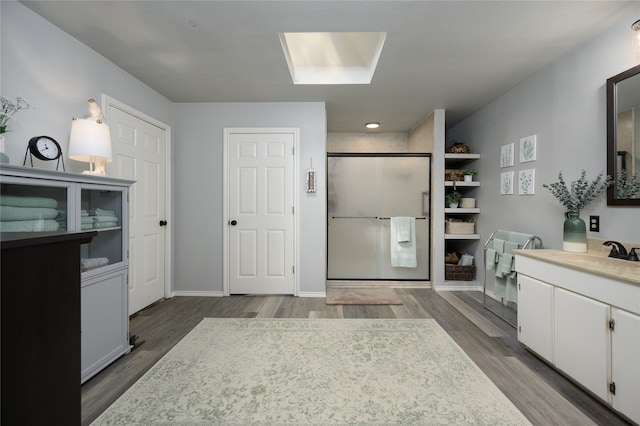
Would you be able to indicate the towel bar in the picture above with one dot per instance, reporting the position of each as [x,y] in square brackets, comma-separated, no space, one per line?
[531,242]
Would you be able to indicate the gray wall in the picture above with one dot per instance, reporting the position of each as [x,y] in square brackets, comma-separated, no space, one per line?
[565,106]
[57,74]
[198,184]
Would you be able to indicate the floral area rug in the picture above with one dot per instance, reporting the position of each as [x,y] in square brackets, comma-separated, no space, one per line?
[314,371]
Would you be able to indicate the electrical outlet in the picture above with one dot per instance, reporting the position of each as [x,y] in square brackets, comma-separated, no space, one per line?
[594,223]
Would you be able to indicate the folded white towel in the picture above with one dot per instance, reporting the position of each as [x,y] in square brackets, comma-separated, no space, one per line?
[403,228]
[403,254]
[92,263]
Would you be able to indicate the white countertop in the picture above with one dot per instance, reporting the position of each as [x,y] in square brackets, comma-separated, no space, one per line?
[595,262]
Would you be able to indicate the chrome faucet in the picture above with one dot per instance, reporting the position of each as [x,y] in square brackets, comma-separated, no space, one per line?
[619,252]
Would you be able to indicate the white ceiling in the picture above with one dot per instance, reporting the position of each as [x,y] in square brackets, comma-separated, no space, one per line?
[456,55]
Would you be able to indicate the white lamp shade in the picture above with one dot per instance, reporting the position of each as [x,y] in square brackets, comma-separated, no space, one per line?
[89,140]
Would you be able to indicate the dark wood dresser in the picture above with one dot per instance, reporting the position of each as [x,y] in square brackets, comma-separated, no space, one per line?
[40,328]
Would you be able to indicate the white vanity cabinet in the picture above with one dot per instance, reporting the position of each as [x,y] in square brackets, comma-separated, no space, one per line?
[586,325]
[535,304]
[82,202]
[582,340]
[625,362]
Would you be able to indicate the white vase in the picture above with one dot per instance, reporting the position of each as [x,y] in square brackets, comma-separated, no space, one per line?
[4,159]
[468,178]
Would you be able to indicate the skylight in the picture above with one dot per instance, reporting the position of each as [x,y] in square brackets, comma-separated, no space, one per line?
[332,58]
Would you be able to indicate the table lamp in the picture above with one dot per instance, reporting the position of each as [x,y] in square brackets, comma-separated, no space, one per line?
[90,140]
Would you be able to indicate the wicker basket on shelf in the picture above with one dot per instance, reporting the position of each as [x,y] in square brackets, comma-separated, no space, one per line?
[459,272]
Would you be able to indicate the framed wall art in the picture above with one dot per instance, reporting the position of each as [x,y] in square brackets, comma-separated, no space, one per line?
[506,155]
[506,183]
[526,182]
[528,149]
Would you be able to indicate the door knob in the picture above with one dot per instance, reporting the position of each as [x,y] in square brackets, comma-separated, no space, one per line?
[163,223]
[233,223]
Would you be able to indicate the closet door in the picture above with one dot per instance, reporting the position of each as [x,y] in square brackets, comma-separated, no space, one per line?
[364,192]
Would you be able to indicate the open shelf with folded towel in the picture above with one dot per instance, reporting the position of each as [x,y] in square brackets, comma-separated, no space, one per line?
[500,271]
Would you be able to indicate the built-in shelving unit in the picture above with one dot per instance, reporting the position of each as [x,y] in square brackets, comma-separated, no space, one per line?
[460,242]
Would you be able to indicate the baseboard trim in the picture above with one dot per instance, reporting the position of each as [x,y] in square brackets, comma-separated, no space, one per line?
[198,293]
[456,287]
[312,294]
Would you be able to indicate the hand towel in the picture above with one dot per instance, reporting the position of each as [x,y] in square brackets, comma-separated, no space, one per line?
[490,259]
[97,219]
[100,212]
[403,228]
[23,201]
[505,264]
[92,263]
[100,225]
[8,213]
[403,254]
[510,246]
[29,226]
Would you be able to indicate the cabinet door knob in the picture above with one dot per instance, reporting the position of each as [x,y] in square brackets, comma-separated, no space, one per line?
[163,223]
[233,223]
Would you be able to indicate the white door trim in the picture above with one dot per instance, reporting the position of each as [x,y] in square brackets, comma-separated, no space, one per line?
[168,255]
[225,199]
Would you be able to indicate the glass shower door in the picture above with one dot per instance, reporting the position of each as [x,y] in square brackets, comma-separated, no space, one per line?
[364,193]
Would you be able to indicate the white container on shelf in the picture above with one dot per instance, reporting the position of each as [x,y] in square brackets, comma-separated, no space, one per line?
[467,203]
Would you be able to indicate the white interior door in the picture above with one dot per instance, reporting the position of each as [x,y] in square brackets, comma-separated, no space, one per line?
[260,211]
[139,153]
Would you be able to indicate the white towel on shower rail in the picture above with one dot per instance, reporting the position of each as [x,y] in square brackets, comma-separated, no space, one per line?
[403,229]
[403,253]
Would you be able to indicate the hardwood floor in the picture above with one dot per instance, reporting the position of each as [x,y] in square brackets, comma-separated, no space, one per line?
[539,392]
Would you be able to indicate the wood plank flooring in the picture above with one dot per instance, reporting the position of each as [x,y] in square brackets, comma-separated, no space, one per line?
[543,395]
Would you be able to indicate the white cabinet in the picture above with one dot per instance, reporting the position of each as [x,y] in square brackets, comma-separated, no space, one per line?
[105,321]
[625,362]
[535,315]
[582,340]
[35,200]
[585,325]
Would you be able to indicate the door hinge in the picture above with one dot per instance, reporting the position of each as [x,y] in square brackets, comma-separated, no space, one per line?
[293,269]
[612,388]
[293,210]
[612,325]
[293,150]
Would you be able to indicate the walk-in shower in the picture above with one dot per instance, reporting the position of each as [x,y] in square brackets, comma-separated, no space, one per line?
[364,191]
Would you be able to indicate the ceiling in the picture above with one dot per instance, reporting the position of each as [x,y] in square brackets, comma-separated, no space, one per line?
[455,55]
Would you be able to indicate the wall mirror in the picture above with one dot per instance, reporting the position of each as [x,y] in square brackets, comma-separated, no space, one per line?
[623,135]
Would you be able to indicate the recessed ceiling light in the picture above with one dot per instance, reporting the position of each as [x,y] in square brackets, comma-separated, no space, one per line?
[372,125]
[332,58]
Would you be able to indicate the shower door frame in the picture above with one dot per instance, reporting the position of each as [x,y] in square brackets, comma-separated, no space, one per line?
[428,216]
